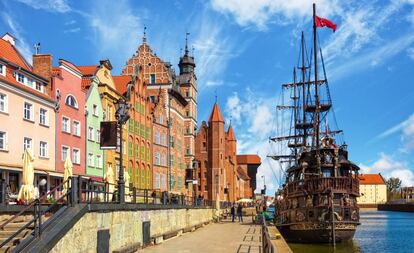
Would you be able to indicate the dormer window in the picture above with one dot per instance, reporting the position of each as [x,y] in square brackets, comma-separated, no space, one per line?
[20,78]
[2,69]
[71,101]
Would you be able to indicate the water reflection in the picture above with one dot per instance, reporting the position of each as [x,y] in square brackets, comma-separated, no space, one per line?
[379,232]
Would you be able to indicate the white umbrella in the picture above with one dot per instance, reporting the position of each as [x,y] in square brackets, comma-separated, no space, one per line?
[66,174]
[26,192]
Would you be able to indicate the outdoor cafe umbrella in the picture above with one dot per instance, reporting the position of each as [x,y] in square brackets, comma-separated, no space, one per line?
[67,173]
[26,192]
[110,179]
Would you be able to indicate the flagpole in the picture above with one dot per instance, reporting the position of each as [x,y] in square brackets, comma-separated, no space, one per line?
[316,121]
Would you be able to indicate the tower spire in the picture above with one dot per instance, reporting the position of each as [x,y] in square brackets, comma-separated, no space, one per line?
[144,38]
[186,43]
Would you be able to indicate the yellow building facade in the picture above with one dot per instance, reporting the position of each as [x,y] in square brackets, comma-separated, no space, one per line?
[372,189]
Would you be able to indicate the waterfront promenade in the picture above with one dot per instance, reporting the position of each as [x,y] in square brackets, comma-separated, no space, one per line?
[224,236]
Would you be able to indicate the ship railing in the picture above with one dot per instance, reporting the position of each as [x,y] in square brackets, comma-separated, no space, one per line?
[321,184]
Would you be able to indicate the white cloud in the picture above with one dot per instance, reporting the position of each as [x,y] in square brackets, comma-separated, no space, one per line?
[60,6]
[261,12]
[233,107]
[72,30]
[17,32]
[390,167]
[212,83]
[406,129]
[115,30]
[410,53]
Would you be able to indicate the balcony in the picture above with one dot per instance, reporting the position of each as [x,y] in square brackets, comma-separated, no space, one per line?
[319,185]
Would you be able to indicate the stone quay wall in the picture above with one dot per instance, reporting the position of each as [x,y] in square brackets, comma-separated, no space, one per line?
[125,227]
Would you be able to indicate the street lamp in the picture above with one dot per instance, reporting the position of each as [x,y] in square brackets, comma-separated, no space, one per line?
[122,116]
[264,185]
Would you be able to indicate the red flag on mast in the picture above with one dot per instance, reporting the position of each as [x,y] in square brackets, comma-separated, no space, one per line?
[321,22]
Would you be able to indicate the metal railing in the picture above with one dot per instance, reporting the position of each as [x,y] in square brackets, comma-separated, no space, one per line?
[34,207]
[267,246]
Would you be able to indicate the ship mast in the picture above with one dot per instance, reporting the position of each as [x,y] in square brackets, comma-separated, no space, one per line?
[305,132]
[295,113]
[317,102]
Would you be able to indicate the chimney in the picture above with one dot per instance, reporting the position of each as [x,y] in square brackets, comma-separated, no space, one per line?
[42,65]
[8,37]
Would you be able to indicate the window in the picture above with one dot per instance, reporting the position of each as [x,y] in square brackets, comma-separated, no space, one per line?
[136,127]
[187,94]
[152,78]
[161,119]
[131,125]
[43,149]
[20,78]
[98,135]
[157,137]
[152,99]
[76,128]
[65,125]
[27,143]
[98,163]
[76,156]
[95,110]
[3,141]
[30,82]
[90,133]
[163,139]
[171,160]
[91,161]
[39,87]
[27,112]
[157,181]
[163,160]
[187,113]
[65,152]
[179,183]
[71,101]
[2,69]
[157,158]
[3,102]
[171,141]
[43,117]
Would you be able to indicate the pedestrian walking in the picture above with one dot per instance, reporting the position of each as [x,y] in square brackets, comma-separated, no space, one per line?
[233,212]
[240,212]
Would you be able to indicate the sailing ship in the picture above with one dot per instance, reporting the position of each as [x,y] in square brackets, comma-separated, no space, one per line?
[318,201]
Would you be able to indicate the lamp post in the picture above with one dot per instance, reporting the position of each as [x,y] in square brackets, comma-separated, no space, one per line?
[122,116]
[264,185]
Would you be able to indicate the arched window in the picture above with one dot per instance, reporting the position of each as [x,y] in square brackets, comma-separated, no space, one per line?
[71,101]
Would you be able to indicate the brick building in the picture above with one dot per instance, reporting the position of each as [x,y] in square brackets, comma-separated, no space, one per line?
[249,165]
[218,172]
[163,84]
[139,129]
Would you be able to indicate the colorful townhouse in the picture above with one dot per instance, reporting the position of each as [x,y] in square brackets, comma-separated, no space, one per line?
[109,96]
[27,116]
[139,128]
[94,116]
[159,75]
[66,86]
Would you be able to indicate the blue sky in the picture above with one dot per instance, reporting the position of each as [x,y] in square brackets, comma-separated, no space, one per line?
[244,50]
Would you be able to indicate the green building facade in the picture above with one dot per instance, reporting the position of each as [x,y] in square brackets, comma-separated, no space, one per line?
[94,155]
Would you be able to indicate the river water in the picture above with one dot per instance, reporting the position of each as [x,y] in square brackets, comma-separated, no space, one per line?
[379,232]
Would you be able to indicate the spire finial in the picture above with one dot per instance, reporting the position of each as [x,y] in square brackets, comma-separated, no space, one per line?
[230,119]
[37,48]
[192,51]
[144,38]
[186,43]
[215,95]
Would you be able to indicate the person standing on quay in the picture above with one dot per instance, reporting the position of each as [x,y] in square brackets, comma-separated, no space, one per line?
[233,212]
[240,212]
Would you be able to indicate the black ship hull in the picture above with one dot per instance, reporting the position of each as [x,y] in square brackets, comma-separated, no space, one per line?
[323,235]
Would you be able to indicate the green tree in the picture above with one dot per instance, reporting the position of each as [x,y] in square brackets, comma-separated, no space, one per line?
[393,188]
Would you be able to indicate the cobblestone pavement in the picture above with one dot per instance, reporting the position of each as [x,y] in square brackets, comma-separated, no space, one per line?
[223,237]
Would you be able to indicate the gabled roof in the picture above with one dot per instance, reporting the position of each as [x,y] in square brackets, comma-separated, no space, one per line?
[216,114]
[14,61]
[121,83]
[88,70]
[10,53]
[230,134]
[248,159]
[371,179]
